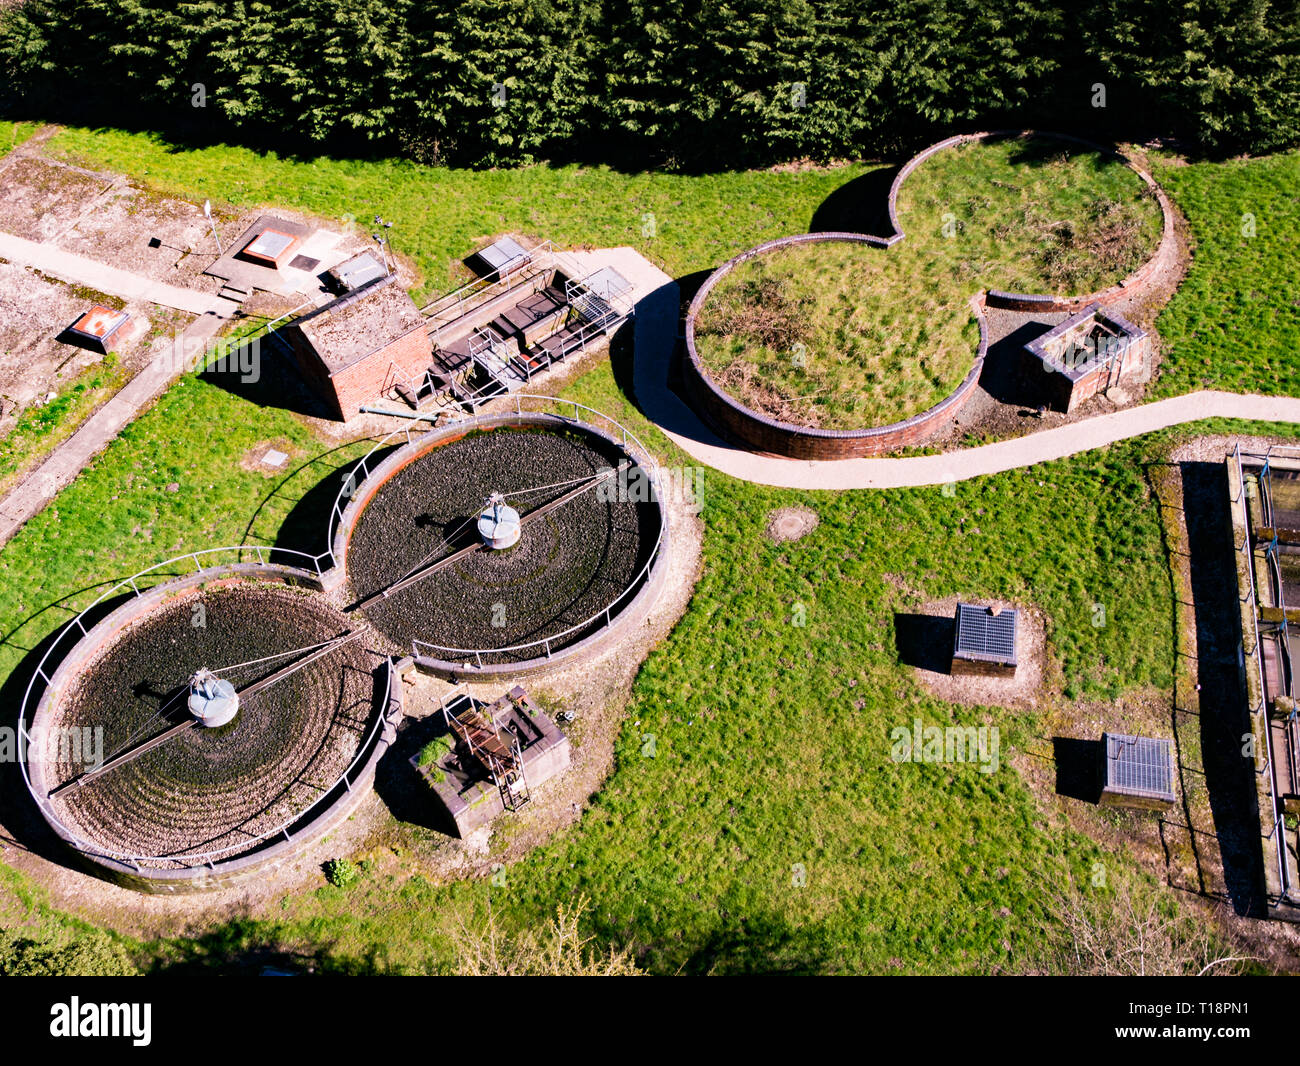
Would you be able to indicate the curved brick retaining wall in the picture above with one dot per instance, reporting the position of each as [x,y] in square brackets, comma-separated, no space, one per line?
[756,430]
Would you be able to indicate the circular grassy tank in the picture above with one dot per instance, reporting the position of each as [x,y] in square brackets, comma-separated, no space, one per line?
[209,794]
[576,570]
[846,334]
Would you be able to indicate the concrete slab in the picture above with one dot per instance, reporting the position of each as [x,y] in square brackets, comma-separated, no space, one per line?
[123,283]
[246,274]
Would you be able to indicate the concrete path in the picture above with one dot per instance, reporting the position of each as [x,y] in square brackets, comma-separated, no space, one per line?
[123,283]
[656,335]
[40,486]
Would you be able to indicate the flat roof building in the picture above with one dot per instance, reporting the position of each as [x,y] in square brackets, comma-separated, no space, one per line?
[351,349]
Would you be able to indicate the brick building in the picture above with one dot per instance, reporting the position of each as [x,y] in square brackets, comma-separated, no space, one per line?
[1088,353]
[354,348]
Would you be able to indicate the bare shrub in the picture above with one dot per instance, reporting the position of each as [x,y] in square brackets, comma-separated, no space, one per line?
[558,950]
[761,309]
[1109,242]
[1117,931]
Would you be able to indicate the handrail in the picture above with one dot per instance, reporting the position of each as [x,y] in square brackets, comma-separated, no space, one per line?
[78,625]
[545,643]
[363,465]
[458,297]
[1278,817]
[202,858]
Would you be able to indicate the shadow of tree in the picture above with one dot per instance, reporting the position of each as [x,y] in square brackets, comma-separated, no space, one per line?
[858,206]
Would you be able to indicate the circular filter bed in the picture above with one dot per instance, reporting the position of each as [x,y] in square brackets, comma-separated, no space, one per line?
[569,564]
[210,788]
[834,334]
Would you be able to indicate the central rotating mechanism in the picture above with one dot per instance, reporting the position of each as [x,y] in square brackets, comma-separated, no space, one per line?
[212,701]
[504,543]
[499,524]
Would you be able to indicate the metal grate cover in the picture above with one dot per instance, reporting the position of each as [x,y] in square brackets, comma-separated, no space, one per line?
[1139,766]
[981,635]
[504,254]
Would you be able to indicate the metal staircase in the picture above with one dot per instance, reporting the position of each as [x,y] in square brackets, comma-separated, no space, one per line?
[497,750]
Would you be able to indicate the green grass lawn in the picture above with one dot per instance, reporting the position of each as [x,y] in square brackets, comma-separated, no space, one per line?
[39,430]
[770,829]
[847,336]
[766,763]
[1234,323]
[12,134]
[440,215]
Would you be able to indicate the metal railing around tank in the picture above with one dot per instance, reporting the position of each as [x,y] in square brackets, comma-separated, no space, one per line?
[522,403]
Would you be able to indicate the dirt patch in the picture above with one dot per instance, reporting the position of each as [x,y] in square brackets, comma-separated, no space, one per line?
[925,641]
[254,460]
[109,218]
[39,199]
[35,309]
[790,523]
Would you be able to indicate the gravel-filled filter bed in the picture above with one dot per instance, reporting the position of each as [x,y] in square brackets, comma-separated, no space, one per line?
[569,564]
[210,788]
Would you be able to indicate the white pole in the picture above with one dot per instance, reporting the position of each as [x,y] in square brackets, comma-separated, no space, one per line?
[207,213]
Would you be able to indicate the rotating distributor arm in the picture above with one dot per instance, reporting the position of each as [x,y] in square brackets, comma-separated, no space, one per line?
[422,570]
[211,702]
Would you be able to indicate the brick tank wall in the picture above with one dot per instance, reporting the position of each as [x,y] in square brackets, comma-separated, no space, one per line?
[755,430]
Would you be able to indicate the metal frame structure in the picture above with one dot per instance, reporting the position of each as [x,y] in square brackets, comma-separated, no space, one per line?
[503,760]
[600,309]
[1259,706]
